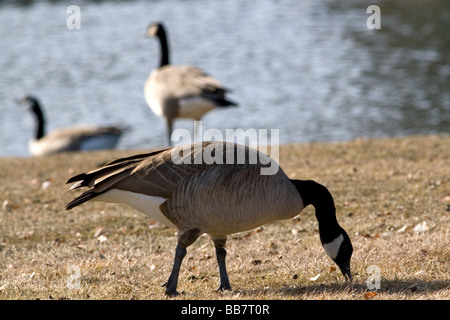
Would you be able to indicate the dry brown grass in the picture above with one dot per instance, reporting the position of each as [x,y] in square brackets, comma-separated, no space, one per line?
[383,189]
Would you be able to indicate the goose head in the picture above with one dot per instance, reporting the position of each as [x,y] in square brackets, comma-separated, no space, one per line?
[32,104]
[154,29]
[29,102]
[334,238]
[340,250]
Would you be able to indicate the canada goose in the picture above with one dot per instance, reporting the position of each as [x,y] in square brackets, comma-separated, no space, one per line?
[180,91]
[218,198]
[68,139]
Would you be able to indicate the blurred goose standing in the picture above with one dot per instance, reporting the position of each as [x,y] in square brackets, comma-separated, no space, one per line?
[196,195]
[81,138]
[180,91]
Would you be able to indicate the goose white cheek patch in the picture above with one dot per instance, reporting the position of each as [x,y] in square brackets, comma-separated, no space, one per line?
[332,248]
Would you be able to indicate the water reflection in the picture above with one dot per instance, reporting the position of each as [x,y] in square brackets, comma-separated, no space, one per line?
[408,65]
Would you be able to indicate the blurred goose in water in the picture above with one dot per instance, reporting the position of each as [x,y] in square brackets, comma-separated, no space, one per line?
[180,91]
[215,188]
[81,138]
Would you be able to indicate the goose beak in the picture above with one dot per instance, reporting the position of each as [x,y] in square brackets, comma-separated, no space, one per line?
[345,269]
[22,102]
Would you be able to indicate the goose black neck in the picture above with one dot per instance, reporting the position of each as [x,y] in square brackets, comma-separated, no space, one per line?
[40,132]
[164,47]
[317,195]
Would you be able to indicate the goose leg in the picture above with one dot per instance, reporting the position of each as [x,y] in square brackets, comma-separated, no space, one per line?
[169,130]
[221,254]
[171,284]
[197,130]
[184,240]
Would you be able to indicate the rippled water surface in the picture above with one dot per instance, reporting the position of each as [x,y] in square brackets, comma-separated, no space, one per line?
[311,69]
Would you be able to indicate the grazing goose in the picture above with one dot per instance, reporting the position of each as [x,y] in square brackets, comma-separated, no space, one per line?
[180,91]
[80,138]
[183,188]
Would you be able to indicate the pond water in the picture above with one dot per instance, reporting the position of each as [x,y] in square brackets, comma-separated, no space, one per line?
[312,69]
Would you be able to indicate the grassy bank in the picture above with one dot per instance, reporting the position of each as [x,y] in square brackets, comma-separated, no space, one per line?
[392,196]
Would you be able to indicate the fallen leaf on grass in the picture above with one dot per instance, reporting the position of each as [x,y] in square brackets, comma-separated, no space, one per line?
[370,295]
[102,238]
[7,206]
[192,278]
[256,262]
[421,227]
[100,231]
[369,236]
[26,235]
[315,277]
[47,183]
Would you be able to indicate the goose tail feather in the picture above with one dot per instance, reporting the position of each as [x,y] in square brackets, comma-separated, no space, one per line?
[86,196]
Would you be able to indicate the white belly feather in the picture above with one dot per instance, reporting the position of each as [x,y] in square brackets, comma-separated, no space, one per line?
[148,205]
[194,107]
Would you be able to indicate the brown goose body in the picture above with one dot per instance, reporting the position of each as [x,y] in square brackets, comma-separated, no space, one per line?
[81,138]
[217,199]
[77,138]
[255,200]
[182,92]
[215,188]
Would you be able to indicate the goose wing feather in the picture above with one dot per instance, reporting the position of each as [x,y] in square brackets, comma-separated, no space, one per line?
[196,193]
[153,174]
[184,81]
[70,139]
